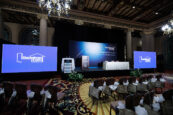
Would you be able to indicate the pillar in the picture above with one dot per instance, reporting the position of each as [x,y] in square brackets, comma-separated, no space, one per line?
[129,44]
[148,41]
[1,25]
[43,39]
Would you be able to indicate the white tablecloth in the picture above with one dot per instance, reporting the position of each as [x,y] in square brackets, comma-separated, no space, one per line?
[115,65]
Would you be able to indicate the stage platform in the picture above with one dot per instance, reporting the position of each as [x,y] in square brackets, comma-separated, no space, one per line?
[100,72]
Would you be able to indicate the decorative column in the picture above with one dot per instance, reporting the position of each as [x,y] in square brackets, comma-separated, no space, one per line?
[43,40]
[148,42]
[1,25]
[129,44]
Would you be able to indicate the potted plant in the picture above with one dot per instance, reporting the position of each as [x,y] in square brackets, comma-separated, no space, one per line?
[136,73]
[74,76]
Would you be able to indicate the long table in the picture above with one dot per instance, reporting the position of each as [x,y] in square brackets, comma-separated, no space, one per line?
[115,65]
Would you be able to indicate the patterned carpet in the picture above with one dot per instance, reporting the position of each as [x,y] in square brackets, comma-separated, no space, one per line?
[77,101]
[98,108]
[72,104]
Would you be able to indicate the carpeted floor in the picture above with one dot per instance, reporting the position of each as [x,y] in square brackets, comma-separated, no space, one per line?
[100,107]
[77,101]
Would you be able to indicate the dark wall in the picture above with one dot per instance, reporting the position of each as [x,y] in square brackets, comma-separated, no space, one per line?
[65,31]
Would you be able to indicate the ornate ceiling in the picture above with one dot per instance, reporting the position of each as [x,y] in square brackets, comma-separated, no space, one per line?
[137,14]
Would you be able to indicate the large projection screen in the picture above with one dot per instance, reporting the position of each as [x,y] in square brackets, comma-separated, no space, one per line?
[143,59]
[27,58]
[97,52]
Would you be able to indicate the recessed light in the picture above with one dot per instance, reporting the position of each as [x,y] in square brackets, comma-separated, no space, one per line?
[133,7]
[156,13]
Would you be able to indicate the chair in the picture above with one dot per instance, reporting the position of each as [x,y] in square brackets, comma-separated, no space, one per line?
[49,104]
[107,90]
[110,81]
[36,88]
[94,93]
[167,105]
[2,98]
[8,89]
[21,91]
[131,88]
[158,84]
[34,108]
[141,88]
[122,89]
[126,112]
[149,110]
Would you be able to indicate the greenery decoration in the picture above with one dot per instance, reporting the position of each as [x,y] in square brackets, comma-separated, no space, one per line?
[136,73]
[74,76]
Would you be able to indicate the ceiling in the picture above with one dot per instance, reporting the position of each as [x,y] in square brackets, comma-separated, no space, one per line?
[138,11]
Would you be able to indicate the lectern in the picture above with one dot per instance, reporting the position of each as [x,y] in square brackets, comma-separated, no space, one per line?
[67,65]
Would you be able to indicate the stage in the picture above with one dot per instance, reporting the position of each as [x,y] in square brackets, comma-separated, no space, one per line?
[100,72]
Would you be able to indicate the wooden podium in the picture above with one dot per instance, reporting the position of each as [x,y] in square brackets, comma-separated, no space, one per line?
[85,62]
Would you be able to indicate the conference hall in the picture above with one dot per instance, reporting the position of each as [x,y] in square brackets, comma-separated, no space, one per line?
[86,57]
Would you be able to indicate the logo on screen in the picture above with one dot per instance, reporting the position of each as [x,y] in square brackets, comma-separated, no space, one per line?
[110,48]
[144,59]
[34,58]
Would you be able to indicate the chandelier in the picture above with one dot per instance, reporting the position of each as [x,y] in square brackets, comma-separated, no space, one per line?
[168,28]
[55,6]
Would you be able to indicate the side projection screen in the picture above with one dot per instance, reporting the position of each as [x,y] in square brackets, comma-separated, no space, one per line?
[144,59]
[26,58]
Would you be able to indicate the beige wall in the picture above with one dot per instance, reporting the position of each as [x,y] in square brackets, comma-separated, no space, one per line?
[16,28]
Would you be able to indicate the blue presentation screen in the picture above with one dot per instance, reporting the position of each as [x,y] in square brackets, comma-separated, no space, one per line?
[97,52]
[144,59]
[26,58]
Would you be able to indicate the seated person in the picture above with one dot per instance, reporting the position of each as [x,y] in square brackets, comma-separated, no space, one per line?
[139,110]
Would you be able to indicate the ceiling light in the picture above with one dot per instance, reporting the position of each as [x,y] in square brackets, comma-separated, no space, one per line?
[168,28]
[55,6]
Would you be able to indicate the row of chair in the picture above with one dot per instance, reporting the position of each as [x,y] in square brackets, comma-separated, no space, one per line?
[148,105]
[125,86]
[15,94]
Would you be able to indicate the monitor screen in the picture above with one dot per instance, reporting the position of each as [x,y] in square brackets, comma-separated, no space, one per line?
[143,59]
[27,58]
